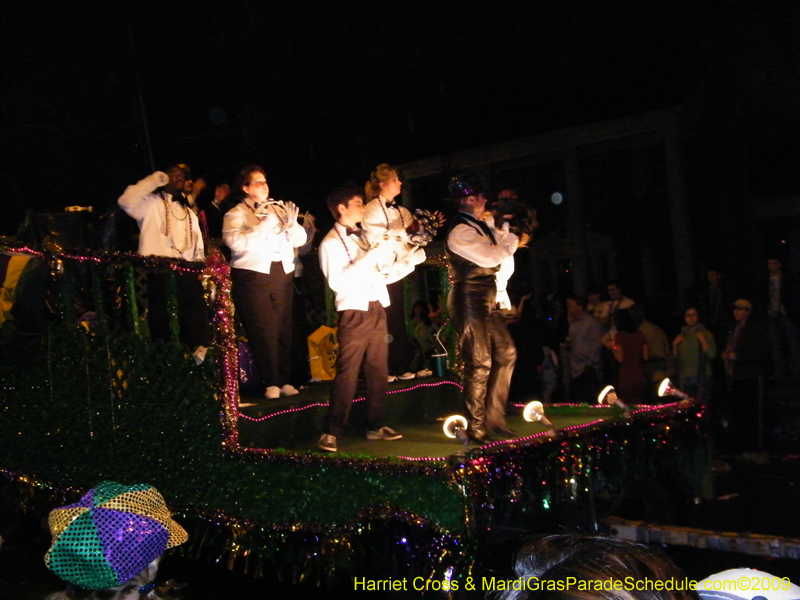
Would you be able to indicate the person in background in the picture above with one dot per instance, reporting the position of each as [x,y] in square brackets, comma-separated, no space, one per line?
[693,349]
[596,306]
[424,342]
[746,357]
[216,209]
[660,362]
[630,349]
[585,342]
[617,299]
[783,305]
[262,235]
[714,300]
[191,191]
[108,545]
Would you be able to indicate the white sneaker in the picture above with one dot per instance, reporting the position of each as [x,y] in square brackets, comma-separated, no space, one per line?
[273,392]
[392,378]
[289,390]
[384,433]
[327,443]
[407,376]
[424,373]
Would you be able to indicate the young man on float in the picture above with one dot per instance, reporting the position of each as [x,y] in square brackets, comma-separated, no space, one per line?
[357,274]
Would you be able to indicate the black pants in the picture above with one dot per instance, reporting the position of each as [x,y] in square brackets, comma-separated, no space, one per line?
[264,301]
[193,317]
[488,353]
[362,339]
[584,387]
[745,415]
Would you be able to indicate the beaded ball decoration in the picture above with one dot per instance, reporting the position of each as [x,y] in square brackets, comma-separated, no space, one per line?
[110,535]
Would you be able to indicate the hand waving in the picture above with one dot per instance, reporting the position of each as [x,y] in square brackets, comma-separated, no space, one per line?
[292,213]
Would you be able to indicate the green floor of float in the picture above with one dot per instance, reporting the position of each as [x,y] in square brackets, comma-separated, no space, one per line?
[414,410]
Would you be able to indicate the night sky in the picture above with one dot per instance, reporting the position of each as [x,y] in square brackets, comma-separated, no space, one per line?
[316,92]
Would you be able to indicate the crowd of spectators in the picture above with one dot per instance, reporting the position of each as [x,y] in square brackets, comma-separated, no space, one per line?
[721,348]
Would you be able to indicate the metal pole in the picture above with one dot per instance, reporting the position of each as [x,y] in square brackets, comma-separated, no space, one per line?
[140,96]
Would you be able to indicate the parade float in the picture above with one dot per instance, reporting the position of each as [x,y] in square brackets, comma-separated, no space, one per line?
[87,396]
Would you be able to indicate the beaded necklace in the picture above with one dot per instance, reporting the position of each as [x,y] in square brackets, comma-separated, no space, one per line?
[252,210]
[346,249]
[188,233]
[386,214]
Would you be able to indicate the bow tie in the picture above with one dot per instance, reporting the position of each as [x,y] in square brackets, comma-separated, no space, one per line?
[391,204]
[356,231]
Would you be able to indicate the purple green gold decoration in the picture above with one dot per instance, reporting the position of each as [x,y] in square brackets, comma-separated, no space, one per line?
[95,400]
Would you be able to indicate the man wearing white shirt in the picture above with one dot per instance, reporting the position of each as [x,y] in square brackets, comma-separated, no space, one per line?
[262,235]
[169,228]
[475,250]
[356,273]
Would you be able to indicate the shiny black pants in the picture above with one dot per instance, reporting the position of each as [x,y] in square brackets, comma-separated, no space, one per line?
[489,357]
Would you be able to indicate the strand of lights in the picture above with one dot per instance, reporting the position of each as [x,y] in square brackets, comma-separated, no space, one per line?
[643,409]
[582,425]
[564,405]
[359,399]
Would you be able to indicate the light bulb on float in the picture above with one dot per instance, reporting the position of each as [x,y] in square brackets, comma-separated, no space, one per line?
[608,395]
[534,411]
[667,389]
[455,426]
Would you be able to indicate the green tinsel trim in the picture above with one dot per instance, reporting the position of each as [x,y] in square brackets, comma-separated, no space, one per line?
[172,308]
[130,301]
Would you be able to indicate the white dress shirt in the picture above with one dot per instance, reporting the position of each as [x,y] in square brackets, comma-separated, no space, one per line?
[352,270]
[386,225]
[382,222]
[156,213]
[501,281]
[468,242]
[255,242]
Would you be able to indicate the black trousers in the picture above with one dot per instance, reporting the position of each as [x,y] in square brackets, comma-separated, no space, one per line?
[193,316]
[584,387]
[362,339]
[744,411]
[264,301]
[489,356]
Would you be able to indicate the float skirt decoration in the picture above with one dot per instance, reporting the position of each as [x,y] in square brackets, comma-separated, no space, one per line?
[98,400]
